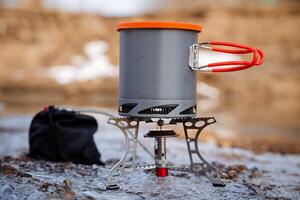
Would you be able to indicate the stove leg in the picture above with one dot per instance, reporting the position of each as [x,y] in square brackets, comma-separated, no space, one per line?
[127,163]
[192,129]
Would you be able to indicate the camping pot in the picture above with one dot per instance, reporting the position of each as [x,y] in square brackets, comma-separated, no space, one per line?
[158,64]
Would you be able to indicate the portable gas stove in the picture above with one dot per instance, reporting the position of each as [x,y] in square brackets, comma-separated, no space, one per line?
[158,64]
[192,129]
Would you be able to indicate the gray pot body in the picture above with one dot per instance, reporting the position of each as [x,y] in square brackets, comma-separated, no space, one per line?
[155,79]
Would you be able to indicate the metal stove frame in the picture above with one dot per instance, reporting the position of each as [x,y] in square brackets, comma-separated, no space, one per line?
[192,129]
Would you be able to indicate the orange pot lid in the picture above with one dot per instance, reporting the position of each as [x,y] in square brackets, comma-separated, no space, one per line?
[159,25]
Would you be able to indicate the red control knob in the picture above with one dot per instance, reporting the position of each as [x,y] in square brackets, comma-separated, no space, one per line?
[161,172]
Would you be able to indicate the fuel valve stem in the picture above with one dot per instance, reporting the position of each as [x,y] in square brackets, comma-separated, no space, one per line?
[160,135]
[161,157]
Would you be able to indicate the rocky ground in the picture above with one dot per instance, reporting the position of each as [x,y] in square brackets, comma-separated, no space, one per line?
[247,175]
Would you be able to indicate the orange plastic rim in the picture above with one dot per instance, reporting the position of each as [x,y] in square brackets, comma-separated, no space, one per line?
[159,25]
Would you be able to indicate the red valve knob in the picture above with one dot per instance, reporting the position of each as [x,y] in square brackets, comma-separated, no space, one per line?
[161,172]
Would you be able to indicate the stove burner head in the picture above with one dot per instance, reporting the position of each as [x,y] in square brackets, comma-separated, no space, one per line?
[161,133]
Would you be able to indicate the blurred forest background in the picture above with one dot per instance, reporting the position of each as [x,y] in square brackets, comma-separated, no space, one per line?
[66,53]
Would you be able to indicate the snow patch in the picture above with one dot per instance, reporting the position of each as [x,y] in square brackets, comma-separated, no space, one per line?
[211,96]
[226,133]
[113,8]
[95,65]
[208,91]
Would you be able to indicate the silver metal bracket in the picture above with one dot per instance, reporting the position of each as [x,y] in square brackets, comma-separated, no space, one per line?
[194,61]
[194,56]
[127,163]
[199,166]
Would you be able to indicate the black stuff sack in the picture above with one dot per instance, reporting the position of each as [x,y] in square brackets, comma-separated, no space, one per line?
[59,135]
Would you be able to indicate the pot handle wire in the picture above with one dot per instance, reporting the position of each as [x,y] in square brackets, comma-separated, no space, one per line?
[227,66]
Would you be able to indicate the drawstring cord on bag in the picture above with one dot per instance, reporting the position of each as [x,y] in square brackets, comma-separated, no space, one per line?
[230,66]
